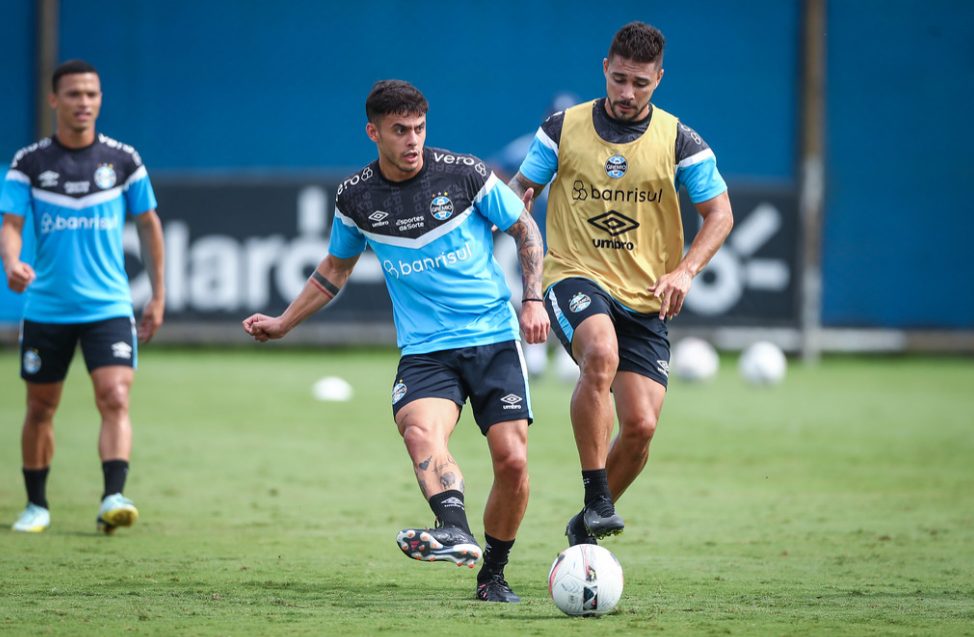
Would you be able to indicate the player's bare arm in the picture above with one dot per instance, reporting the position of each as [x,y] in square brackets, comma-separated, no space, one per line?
[530,254]
[323,285]
[672,287]
[525,189]
[153,256]
[19,274]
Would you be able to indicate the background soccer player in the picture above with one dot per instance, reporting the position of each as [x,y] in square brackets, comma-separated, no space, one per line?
[79,186]
[613,272]
[427,214]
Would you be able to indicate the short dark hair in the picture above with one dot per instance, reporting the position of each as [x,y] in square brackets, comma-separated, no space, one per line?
[394,97]
[639,42]
[71,67]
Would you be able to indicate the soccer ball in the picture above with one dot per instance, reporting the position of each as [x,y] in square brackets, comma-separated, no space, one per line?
[332,388]
[763,363]
[585,580]
[694,359]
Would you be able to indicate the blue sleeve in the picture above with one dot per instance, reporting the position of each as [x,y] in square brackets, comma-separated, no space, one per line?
[347,240]
[541,163]
[15,194]
[701,178]
[139,196]
[498,203]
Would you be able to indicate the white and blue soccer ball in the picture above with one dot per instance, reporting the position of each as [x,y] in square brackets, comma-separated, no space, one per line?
[694,360]
[763,363]
[585,579]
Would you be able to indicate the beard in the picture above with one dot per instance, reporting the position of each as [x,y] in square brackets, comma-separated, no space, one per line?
[634,113]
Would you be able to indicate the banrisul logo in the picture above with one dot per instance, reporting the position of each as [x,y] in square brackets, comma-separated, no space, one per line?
[58,223]
[616,166]
[441,207]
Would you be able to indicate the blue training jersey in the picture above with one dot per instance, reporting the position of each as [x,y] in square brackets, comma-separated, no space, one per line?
[696,164]
[433,236]
[77,200]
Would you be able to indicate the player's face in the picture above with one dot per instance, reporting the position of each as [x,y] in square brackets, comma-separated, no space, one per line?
[629,86]
[77,102]
[400,140]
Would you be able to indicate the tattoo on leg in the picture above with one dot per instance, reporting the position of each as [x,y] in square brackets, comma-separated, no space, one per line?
[447,480]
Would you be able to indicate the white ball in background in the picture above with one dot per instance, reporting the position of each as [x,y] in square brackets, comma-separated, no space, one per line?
[763,363]
[694,359]
[332,388]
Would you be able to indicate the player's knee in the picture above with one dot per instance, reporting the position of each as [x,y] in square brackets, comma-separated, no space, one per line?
[40,411]
[599,362]
[113,398]
[417,438]
[512,466]
[639,430]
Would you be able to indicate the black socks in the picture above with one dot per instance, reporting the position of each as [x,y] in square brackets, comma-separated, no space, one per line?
[496,553]
[115,472]
[596,483]
[449,509]
[36,482]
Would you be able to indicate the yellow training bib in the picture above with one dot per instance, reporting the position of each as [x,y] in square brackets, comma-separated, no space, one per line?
[613,210]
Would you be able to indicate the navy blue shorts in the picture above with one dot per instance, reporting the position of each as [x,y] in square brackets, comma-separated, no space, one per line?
[46,349]
[493,377]
[643,344]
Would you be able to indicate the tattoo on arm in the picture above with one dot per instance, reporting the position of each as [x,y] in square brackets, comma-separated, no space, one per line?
[530,253]
[327,287]
[520,187]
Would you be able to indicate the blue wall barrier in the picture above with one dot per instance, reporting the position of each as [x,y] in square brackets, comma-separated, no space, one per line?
[231,86]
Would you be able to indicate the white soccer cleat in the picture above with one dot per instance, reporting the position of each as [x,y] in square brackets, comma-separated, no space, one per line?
[34,519]
[116,510]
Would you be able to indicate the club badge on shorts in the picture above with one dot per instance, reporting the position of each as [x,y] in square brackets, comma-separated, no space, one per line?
[398,391]
[32,361]
[579,302]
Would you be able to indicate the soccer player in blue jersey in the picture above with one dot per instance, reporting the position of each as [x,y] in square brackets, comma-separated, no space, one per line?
[76,189]
[428,214]
[615,271]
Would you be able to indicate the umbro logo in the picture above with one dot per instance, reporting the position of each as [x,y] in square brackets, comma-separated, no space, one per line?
[121,349]
[614,223]
[663,367]
[511,401]
[48,178]
[378,215]
[454,502]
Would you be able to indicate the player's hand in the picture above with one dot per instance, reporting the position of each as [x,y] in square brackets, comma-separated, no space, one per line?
[671,289]
[151,319]
[534,322]
[264,328]
[19,276]
[528,199]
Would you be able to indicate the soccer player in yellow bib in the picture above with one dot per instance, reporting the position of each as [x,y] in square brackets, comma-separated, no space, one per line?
[615,271]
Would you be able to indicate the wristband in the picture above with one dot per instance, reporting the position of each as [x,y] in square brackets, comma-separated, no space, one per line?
[531,299]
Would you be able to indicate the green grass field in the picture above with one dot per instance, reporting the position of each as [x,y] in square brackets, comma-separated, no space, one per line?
[840,503]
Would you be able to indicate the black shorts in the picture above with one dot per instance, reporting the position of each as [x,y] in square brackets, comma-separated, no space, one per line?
[643,344]
[46,349]
[493,377]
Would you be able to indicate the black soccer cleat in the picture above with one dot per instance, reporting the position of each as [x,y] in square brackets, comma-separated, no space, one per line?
[577,533]
[496,589]
[445,544]
[601,519]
